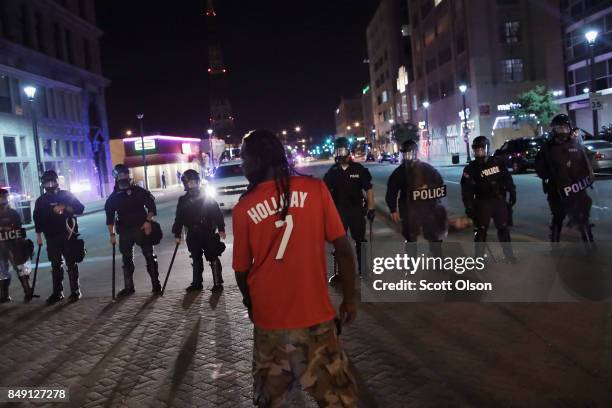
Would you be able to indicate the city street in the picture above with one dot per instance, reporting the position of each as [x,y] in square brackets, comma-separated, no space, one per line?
[195,350]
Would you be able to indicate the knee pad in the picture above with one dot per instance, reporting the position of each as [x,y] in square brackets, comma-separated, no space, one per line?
[503,234]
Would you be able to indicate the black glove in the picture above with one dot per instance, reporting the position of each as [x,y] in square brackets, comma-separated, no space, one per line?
[370,215]
[512,200]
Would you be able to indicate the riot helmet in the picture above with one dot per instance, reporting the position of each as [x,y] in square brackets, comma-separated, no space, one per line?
[342,148]
[49,181]
[191,180]
[4,199]
[122,176]
[561,128]
[409,150]
[481,147]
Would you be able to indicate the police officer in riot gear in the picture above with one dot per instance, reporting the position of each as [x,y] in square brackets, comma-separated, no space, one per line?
[12,240]
[350,185]
[563,165]
[129,212]
[202,217]
[487,191]
[55,216]
[420,188]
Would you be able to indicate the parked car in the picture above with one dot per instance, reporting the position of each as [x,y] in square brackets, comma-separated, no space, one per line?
[601,154]
[227,184]
[370,158]
[388,157]
[519,154]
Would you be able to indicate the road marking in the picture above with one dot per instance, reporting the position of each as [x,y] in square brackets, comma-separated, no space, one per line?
[453,182]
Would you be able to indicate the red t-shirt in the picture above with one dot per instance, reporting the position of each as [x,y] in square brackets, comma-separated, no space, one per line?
[286,260]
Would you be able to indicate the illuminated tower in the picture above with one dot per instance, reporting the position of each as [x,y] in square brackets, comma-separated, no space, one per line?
[221,118]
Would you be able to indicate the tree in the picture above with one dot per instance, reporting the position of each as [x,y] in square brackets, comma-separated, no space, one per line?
[405,131]
[537,102]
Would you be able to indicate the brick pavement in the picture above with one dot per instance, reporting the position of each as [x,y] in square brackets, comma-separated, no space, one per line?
[195,351]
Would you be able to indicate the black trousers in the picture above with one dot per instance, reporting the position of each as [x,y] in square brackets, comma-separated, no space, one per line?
[431,220]
[58,253]
[355,223]
[203,244]
[497,209]
[128,237]
[577,207]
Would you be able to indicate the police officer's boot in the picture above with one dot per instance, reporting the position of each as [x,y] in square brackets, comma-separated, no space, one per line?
[217,276]
[128,281]
[57,276]
[503,235]
[154,274]
[73,277]
[4,290]
[27,289]
[480,241]
[587,236]
[555,233]
[198,269]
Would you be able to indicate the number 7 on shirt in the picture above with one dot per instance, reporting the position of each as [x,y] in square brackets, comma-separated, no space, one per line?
[286,235]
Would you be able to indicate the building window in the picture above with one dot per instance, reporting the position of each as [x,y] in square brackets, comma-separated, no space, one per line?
[48,147]
[87,54]
[10,146]
[59,45]
[430,65]
[460,44]
[69,49]
[40,35]
[512,70]
[13,172]
[433,93]
[41,102]
[25,28]
[75,149]
[385,96]
[511,32]
[67,146]
[5,94]
[444,56]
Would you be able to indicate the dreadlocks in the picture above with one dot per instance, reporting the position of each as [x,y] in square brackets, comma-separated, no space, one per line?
[267,150]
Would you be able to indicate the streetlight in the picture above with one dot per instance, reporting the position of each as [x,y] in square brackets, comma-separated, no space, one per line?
[140,118]
[357,124]
[30,92]
[466,132]
[298,129]
[128,132]
[284,132]
[591,37]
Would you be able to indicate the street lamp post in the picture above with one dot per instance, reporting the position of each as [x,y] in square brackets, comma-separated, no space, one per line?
[140,117]
[591,37]
[463,90]
[426,106]
[210,141]
[30,92]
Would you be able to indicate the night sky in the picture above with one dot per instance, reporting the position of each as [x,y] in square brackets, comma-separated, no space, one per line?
[289,62]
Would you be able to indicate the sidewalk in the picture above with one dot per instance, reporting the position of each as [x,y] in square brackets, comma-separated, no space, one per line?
[195,351]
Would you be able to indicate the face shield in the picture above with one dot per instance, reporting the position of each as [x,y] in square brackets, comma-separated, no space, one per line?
[410,155]
[50,186]
[561,132]
[123,181]
[192,185]
[342,152]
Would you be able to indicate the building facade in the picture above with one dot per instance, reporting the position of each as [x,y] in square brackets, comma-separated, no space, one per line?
[389,54]
[53,46]
[497,48]
[349,118]
[581,16]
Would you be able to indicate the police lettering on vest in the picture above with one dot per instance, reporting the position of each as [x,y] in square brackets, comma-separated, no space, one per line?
[490,171]
[577,187]
[12,234]
[429,193]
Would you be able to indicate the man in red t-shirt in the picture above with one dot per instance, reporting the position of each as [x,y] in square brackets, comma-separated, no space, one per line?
[280,227]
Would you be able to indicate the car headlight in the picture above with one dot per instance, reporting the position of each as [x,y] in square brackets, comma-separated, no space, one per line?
[210,191]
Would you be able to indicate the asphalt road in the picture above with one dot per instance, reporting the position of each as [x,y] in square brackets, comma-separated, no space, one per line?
[531,224]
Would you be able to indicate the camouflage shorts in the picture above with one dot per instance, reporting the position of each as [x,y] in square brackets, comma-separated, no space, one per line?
[311,358]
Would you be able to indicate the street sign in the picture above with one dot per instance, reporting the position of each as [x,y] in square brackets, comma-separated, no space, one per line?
[596,103]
